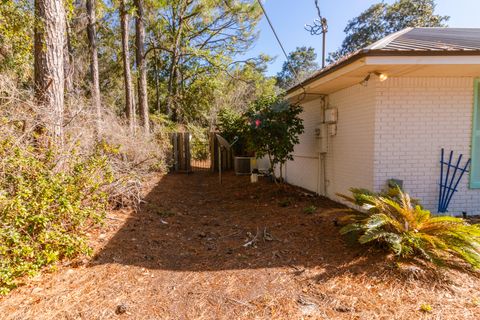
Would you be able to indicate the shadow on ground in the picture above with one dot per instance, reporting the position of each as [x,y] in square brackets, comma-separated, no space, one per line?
[192,223]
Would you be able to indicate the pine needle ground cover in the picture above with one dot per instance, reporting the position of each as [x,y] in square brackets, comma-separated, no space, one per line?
[182,255]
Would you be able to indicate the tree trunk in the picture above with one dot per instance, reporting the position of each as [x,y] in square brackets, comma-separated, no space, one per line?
[141,65]
[92,39]
[281,172]
[171,109]
[157,83]
[68,59]
[49,61]
[272,167]
[127,75]
[172,106]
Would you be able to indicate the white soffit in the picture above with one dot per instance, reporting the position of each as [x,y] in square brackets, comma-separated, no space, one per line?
[393,66]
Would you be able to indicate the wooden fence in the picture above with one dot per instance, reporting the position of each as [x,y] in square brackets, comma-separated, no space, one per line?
[207,160]
[181,152]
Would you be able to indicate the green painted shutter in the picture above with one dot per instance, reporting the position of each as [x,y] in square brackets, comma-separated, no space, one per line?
[475,168]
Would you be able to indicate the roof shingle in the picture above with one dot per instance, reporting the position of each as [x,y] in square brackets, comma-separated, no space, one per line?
[430,39]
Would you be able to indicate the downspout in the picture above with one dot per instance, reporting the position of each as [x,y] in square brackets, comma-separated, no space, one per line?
[322,166]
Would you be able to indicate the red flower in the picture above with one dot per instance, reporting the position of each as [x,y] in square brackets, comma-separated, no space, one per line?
[257,123]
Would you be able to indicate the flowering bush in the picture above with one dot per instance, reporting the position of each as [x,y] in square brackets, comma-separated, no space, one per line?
[274,127]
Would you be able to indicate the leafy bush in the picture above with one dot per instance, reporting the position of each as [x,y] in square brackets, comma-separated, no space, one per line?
[233,125]
[275,126]
[47,201]
[408,230]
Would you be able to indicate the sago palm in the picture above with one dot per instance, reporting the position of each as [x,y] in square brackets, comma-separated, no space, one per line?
[409,230]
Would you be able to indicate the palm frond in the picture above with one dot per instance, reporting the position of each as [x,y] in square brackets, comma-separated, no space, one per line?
[352,227]
[407,229]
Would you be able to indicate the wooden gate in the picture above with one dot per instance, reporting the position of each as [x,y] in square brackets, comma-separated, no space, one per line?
[180,151]
[192,153]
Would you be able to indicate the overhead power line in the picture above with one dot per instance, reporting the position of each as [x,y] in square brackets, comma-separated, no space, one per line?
[304,93]
[278,39]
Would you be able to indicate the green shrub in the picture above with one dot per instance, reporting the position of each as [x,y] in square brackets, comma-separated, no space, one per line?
[408,230]
[310,209]
[274,129]
[233,126]
[46,203]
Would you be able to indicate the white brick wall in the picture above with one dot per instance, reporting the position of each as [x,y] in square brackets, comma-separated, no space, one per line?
[303,171]
[414,119]
[391,129]
[351,150]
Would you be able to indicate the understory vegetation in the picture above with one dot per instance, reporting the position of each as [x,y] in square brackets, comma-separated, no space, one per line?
[52,193]
[403,227]
[44,209]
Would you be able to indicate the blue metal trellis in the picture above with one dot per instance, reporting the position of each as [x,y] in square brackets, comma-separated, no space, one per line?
[449,184]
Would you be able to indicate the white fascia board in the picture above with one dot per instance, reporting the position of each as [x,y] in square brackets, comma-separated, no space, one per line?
[293,94]
[423,60]
[329,77]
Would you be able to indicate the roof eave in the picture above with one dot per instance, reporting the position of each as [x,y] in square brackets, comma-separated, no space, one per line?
[372,53]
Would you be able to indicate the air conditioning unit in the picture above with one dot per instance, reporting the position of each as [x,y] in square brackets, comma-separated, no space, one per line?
[242,165]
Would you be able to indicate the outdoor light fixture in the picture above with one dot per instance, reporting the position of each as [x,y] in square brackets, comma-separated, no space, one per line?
[381,76]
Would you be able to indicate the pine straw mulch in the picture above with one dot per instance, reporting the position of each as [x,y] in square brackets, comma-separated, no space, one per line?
[200,250]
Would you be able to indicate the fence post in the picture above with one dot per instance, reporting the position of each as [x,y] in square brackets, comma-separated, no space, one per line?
[220,163]
[211,145]
[187,152]
[175,151]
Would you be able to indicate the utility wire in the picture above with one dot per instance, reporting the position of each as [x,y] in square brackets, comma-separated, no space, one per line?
[278,39]
[318,10]
[304,93]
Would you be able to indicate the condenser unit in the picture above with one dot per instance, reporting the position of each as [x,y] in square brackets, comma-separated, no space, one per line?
[242,165]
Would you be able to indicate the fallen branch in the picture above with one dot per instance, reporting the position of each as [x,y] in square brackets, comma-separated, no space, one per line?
[253,241]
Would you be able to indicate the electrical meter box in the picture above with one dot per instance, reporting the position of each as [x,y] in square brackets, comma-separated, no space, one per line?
[321,131]
[331,115]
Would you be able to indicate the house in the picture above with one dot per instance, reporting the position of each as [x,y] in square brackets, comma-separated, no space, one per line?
[386,111]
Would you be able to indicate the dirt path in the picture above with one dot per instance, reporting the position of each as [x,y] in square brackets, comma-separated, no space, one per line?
[200,250]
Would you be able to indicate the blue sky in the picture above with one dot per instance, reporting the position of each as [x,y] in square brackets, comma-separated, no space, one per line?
[290,16]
